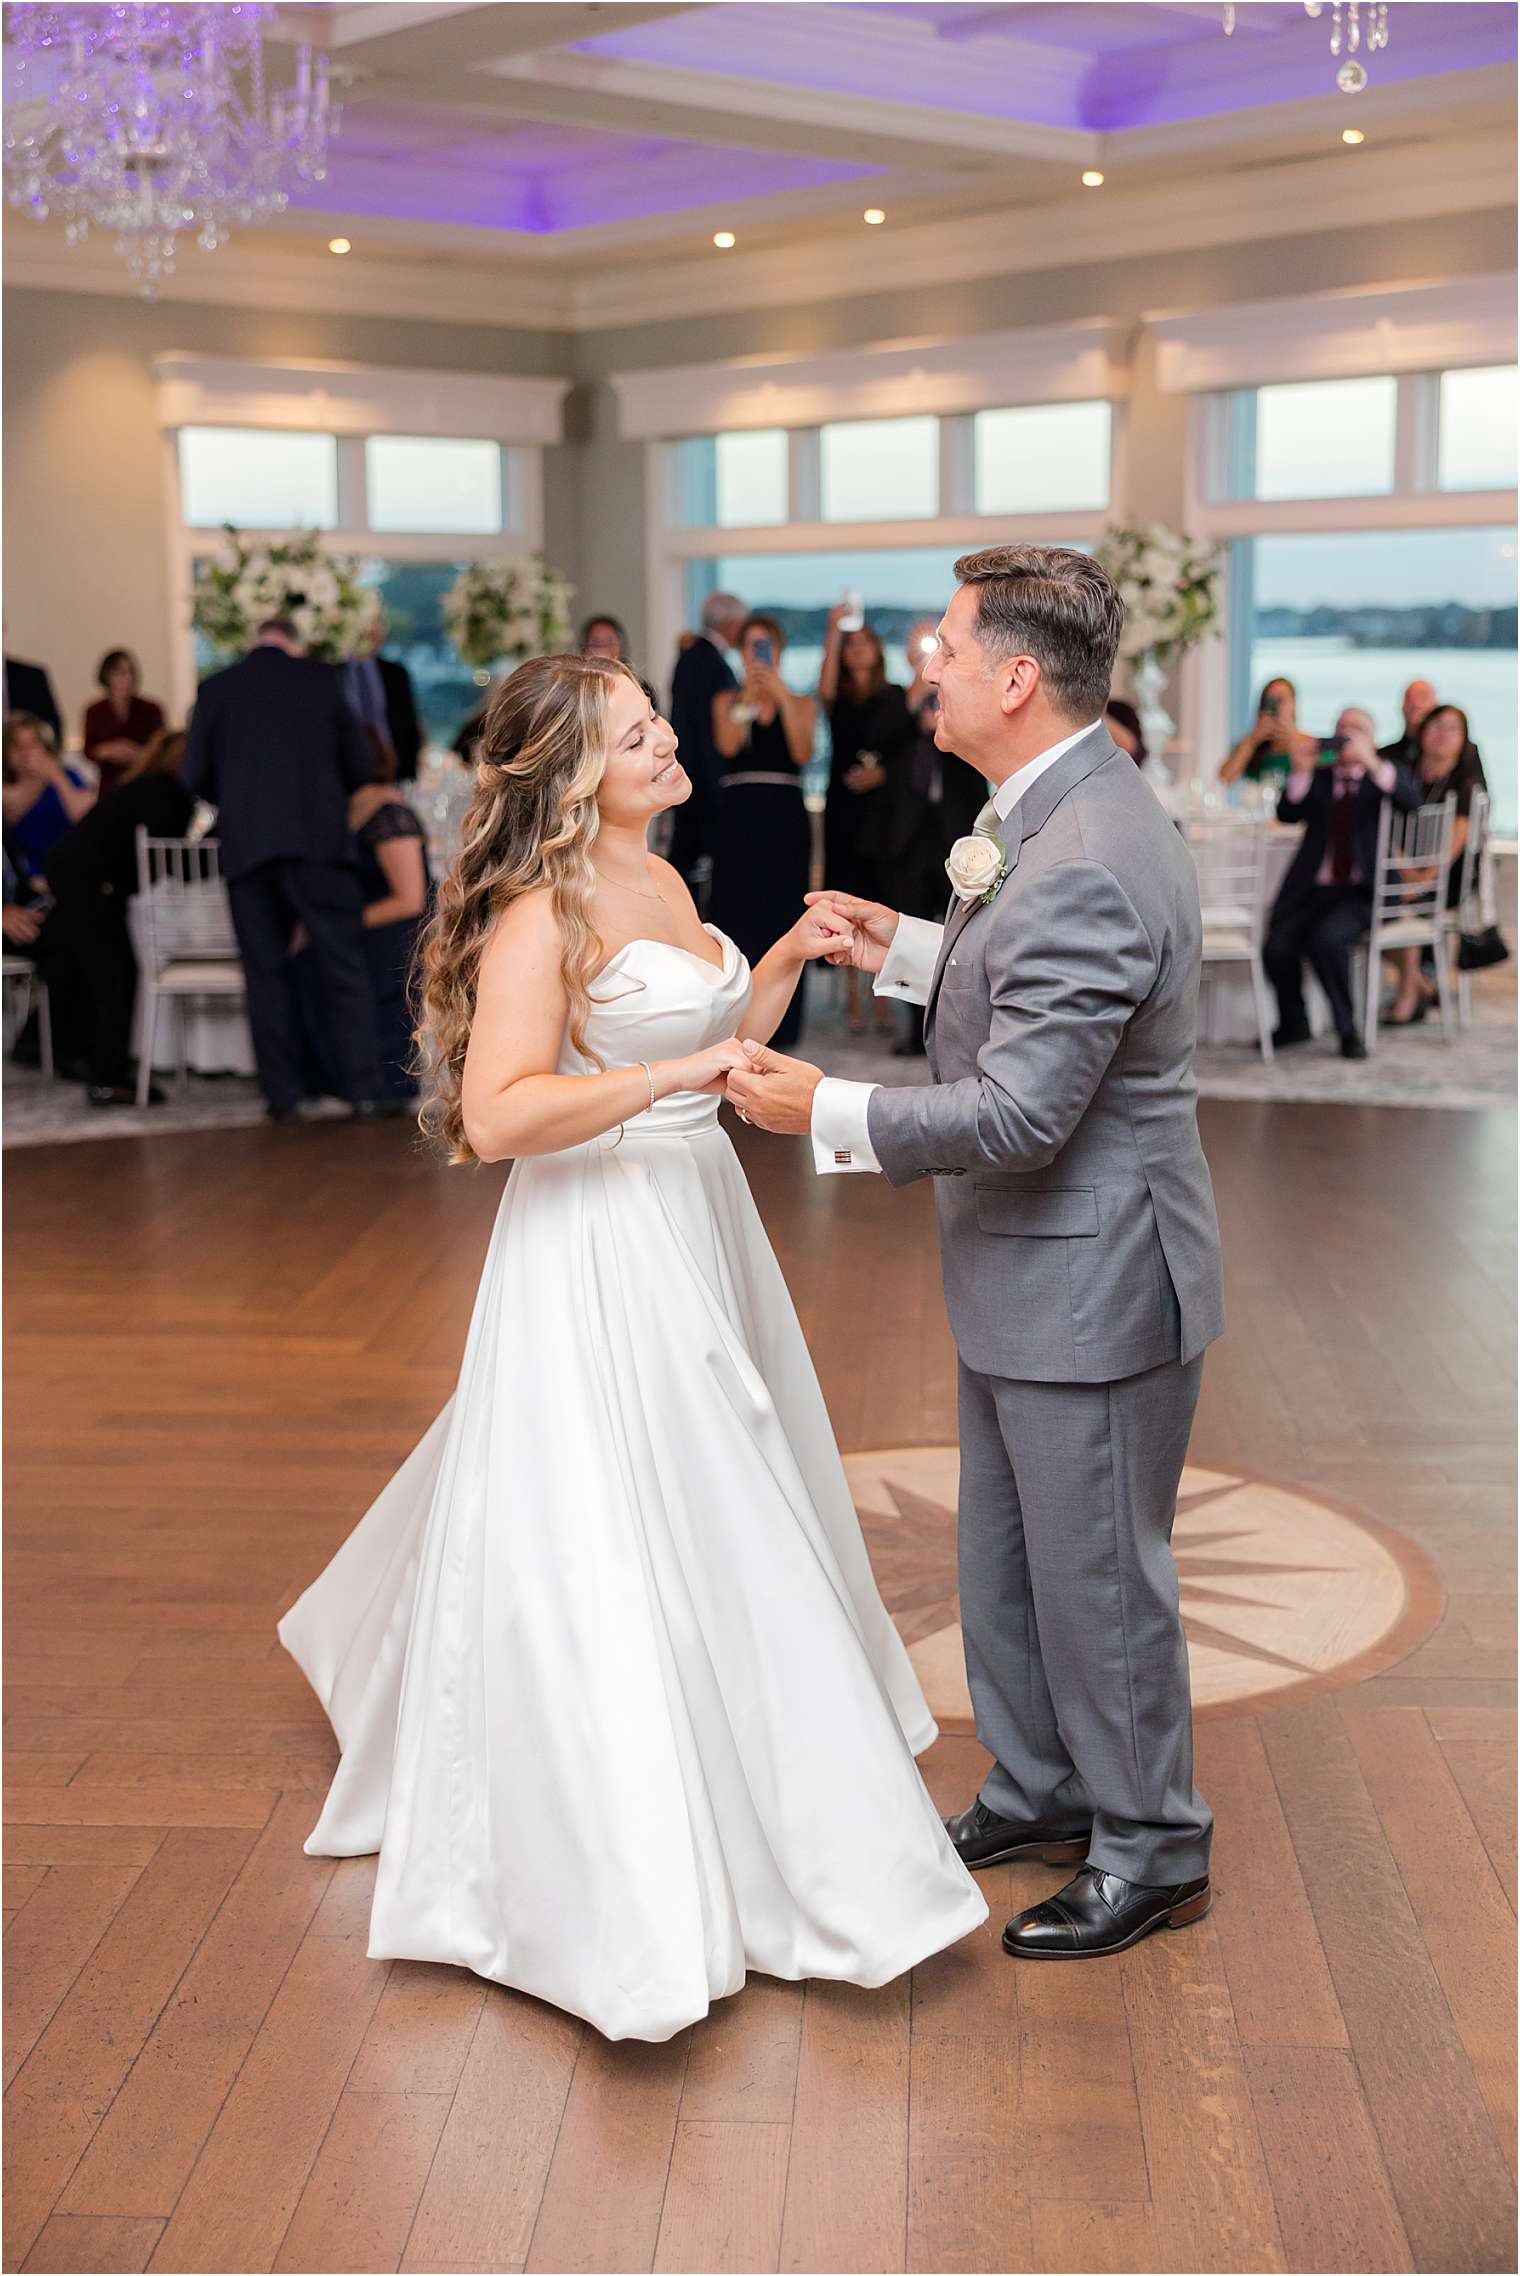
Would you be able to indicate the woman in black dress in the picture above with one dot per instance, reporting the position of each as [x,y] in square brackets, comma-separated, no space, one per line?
[398,891]
[871,734]
[1446,765]
[762,851]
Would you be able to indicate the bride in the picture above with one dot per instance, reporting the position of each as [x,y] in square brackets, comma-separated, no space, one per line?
[618,1703]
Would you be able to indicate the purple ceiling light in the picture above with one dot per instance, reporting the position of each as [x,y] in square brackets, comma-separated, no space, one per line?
[153,121]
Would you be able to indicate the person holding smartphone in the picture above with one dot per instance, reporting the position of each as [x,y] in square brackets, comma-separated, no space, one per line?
[1273,743]
[1336,790]
[870,736]
[762,853]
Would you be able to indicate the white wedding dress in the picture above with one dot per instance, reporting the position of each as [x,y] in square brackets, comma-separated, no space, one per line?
[619,1705]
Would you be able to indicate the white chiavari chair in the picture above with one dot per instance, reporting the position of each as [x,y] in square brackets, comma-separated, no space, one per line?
[186,947]
[1409,901]
[1231,858]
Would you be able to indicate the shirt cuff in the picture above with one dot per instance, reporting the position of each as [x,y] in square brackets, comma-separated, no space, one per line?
[841,1133]
[907,970]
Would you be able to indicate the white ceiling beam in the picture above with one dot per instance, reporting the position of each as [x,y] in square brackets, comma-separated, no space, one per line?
[458,37]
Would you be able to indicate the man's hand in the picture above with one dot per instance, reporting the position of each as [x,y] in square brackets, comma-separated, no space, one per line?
[875,928]
[21,925]
[775,1093]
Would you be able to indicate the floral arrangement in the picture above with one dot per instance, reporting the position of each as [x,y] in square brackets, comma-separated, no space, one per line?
[335,615]
[1170,587]
[501,611]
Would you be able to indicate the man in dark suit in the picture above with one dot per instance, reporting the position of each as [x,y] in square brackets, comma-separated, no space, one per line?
[1325,903]
[275,747]
[1419,703]
[701,672]
[28,688]
[381,694]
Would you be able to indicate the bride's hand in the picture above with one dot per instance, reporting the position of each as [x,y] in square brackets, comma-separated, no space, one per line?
[822,931]
[707,1070]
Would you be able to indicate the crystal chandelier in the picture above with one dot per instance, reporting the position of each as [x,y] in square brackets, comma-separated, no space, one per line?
[152,122]
[1354,25]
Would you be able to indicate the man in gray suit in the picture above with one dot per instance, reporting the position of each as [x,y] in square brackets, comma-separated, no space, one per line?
[1080,1245]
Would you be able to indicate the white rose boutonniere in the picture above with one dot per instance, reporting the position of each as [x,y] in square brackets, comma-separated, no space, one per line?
[977,866]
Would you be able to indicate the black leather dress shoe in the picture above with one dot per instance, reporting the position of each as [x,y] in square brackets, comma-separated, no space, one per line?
[1352,1047]
[981,1837]
[1097,1913]
[1288,1038]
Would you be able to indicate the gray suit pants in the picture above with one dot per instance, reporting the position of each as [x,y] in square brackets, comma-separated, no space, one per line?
[1074,1647]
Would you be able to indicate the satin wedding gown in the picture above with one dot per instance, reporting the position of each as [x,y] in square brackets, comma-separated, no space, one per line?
[619,1705]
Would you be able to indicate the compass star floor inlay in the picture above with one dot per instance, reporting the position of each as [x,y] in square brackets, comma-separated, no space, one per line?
[1279,1589]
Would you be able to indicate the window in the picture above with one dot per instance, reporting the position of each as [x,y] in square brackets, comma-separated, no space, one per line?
[874,470]
[428,482]
[1479,410]
[413,594]
[258,478]
[1352,618]
[1042,458]
[1315,439]
[730,481]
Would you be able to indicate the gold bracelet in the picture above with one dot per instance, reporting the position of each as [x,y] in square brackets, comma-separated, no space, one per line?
[649,1071]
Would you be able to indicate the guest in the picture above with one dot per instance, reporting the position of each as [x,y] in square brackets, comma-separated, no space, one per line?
[121,726]
[397,890]
[927,803]
[1418,702]
[276,749]
[28,688]
[384,701]
[1446,764]
[871,734]
[762,844]
[701,673]
[92,873]
[1326,898]
[1268,749]
[40,798]
[1123,722]
[604,636]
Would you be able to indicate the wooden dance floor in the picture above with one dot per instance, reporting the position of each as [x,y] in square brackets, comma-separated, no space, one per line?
[221,1345]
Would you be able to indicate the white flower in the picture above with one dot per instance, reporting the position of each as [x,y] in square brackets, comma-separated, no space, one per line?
[976,866]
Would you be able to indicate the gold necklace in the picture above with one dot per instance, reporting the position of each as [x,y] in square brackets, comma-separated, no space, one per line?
[637,892]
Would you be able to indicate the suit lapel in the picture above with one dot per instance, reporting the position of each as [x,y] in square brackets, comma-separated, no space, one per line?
[1029,814]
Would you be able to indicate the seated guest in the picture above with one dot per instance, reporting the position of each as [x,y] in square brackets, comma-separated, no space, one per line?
[38,795]
[1446,764]
[92,873]
[397,889]
[1123,722]
[1267,748]
[604,636]
[122,724]
[28,688]
[1419,702]
[1326,898]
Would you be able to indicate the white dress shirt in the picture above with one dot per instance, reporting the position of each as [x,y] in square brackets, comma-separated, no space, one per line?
[840,1131]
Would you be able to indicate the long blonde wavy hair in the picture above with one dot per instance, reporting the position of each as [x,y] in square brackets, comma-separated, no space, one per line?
[532,822]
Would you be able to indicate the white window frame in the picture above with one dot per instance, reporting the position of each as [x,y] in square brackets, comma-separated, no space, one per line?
[953,379]
[1412,332]
[353,402]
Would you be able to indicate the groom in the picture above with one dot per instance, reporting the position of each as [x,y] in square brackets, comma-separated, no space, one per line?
[1080,1246]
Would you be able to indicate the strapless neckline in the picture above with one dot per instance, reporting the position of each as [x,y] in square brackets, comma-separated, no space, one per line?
[718,971]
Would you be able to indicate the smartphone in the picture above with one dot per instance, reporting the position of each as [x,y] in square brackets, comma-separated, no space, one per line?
[1271,705]
[854,607]
[1330,749]
[764,651]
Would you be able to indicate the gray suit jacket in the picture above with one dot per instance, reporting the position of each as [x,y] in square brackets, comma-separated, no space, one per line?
[1075,1207]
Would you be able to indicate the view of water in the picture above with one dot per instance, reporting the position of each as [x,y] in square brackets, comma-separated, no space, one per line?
[1330,673]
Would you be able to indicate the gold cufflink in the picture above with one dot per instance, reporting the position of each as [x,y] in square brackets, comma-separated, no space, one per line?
[841,1157]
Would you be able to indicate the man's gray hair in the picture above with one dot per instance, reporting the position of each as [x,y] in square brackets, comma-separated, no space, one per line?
[719,609]
[1055,605]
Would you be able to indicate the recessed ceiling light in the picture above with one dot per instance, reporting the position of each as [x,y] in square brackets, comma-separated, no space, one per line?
[874,215]
[1092,179]
[723,238]
[339,245]
[1352,134]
